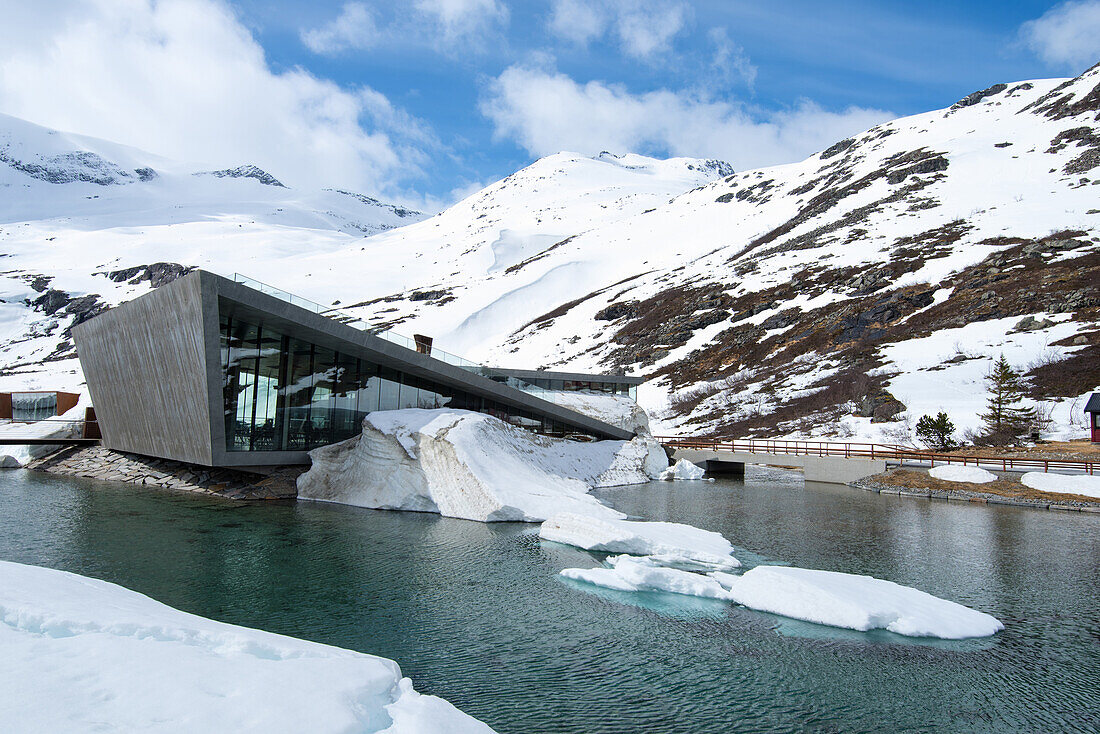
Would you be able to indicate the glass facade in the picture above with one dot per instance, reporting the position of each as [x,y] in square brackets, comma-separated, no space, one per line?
[286,394]
[535,384]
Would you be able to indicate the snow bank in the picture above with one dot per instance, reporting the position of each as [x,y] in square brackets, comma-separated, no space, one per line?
[473,466]
[672,541]
[615,410]
[13,457]
[627,573]
[84,655]
[856,602]
[970,474]
[1082,484]
[683,469]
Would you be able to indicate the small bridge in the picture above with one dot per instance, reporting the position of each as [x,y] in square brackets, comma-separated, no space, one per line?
[841,463]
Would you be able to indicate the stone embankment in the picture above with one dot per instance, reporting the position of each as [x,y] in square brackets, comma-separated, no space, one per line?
[96,462]
[1008,490]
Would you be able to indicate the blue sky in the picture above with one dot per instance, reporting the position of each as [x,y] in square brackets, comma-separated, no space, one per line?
[427,99]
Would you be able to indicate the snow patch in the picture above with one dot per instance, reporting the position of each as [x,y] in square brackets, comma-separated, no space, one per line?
[1082,484]
[84,655]
[969,474]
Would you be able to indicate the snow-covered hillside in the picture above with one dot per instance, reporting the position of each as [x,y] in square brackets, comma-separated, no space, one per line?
[870,281]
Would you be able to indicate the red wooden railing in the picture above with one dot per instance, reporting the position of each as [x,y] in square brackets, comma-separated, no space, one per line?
[887,452]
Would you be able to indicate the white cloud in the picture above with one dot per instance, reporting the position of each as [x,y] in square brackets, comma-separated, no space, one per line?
[578,21]
[647,28]
[463,18]
[185,79]
[1067,35]
[354,28]
[546,112]
[644,28]
[729,60]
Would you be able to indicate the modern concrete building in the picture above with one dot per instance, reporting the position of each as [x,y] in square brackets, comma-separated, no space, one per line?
[211,371]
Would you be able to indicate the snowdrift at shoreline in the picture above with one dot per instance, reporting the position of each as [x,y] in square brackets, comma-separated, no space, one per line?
[1082,484]
[968,474]
[473,466]
[85,655]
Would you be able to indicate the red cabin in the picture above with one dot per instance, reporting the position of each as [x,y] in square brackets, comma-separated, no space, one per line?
[1093,410]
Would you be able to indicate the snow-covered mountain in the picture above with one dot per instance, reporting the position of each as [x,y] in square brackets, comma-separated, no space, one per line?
[871,280]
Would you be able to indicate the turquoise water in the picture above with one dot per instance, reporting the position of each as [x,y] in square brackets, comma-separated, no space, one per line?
[477,614]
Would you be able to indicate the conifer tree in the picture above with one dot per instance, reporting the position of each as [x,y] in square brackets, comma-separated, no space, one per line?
[1004,418]
[937,433]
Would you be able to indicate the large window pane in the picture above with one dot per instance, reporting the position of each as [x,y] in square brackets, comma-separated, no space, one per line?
[345,416]
[298,427]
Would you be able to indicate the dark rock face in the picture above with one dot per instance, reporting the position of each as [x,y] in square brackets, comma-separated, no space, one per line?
[70,168]
[870,323]
[157,274]
[725,198]
[617,311]
[976,97]
[837,148]
[245,172]
[81,308]
[880,406]
[145,174]
[782,320]
[51,301]
[428,295]
[928,165]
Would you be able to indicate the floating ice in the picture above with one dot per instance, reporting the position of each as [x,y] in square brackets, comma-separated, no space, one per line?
[683,469]
[954,473]
[856,602]
[627,573]
[674,541]
[1082,484]
[83,655]
[473,466]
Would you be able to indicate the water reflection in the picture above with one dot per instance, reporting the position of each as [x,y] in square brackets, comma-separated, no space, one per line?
[478,614]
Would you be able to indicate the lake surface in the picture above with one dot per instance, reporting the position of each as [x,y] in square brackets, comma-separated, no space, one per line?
[476,613]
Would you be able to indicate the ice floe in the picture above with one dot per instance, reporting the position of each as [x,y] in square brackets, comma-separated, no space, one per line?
[629,573]
[856,602]
[674,543]
[955,473]
[83,655]
[473,466]
[683,469]
[846,600]
[1082,484]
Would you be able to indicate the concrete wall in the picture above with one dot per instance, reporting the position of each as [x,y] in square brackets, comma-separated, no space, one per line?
[145,365]
[828,469]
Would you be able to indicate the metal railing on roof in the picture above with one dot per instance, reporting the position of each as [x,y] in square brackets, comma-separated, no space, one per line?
[355,322]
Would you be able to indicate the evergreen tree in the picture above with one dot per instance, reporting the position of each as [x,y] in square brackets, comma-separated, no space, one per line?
[1004,418]
[937,433]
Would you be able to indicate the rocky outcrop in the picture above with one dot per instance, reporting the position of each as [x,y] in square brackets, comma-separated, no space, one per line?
[101,463]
